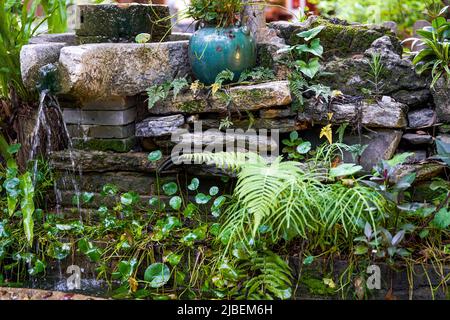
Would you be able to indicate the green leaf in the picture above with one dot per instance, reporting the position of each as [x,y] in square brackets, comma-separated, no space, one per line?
[399,159]
[157,274]
[308,260]
[14,148]
[310,68]
[170,188]
[311,33]
[175,203]
[345,169]
[304,147]
[359,250]
[173,259]
[442,219]
[39,266]
[213,191]
[194,184]
[314,48]
[129,198]
[202,198]
[189,210]
[154,156]
[27,205]
[178,85]
[143,38]
[293,136]
[109,189]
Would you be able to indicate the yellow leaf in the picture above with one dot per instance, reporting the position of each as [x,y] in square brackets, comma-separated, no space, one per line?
[133,284]
[215,87]
[330,115]
[336,93]
[327,132]
[329,282]
[196,86]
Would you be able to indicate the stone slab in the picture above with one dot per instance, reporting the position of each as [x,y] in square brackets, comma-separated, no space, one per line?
[159,126]
[248,97]
[116,145]
[375,114]
[98,131]
[382,145]
[96,71]
[106,118]
[33,57]
[417,139]
[99,161]
[421,118]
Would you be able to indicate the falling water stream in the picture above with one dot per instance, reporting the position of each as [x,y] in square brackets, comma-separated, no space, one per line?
[49,136]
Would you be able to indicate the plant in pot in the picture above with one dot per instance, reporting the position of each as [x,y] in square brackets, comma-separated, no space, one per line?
[221,42]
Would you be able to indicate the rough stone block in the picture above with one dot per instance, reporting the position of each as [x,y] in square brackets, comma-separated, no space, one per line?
[381,145]
[121,22]
[418,139]
[159,126]
[338,39]
[97,71]
[441,95]
[376,114]
[106,118]
[68,38]
[33,57]
[98,161]
[251,97]
[421,118]
[116,145]
[104,132]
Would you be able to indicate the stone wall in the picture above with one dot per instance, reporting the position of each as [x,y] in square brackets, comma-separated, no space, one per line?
[102,91]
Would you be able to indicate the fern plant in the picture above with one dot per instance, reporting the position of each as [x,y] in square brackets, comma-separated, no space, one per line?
[285,199]
[270,277]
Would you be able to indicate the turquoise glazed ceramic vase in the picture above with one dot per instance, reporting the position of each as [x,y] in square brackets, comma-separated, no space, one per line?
[212,50]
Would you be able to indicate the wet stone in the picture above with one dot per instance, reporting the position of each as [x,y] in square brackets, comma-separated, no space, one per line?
[116,145]
[120,22]
[417,139]
[421,118]
[381,145]
[97,131]
[159,126]
[107,118]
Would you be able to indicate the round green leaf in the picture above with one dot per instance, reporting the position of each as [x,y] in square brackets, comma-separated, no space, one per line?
[143,38]
[202,198]
[304,147]
[175,203]
[170,188]
[155,156]
[194,184]
[157,274]
[213,191]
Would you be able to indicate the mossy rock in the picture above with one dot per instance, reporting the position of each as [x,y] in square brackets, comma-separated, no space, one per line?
[338,38]
[121,22]
[116,145]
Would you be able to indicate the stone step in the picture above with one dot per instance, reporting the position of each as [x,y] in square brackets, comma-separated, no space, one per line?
[100,161]
[373,114]
[117,145]
[243,98]
[159,126]
[103,117]
[99,131]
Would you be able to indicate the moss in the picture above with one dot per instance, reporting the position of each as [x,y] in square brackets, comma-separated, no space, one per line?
[192,106]
[122,22]
[317,286]
[341,39]
[117,145]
